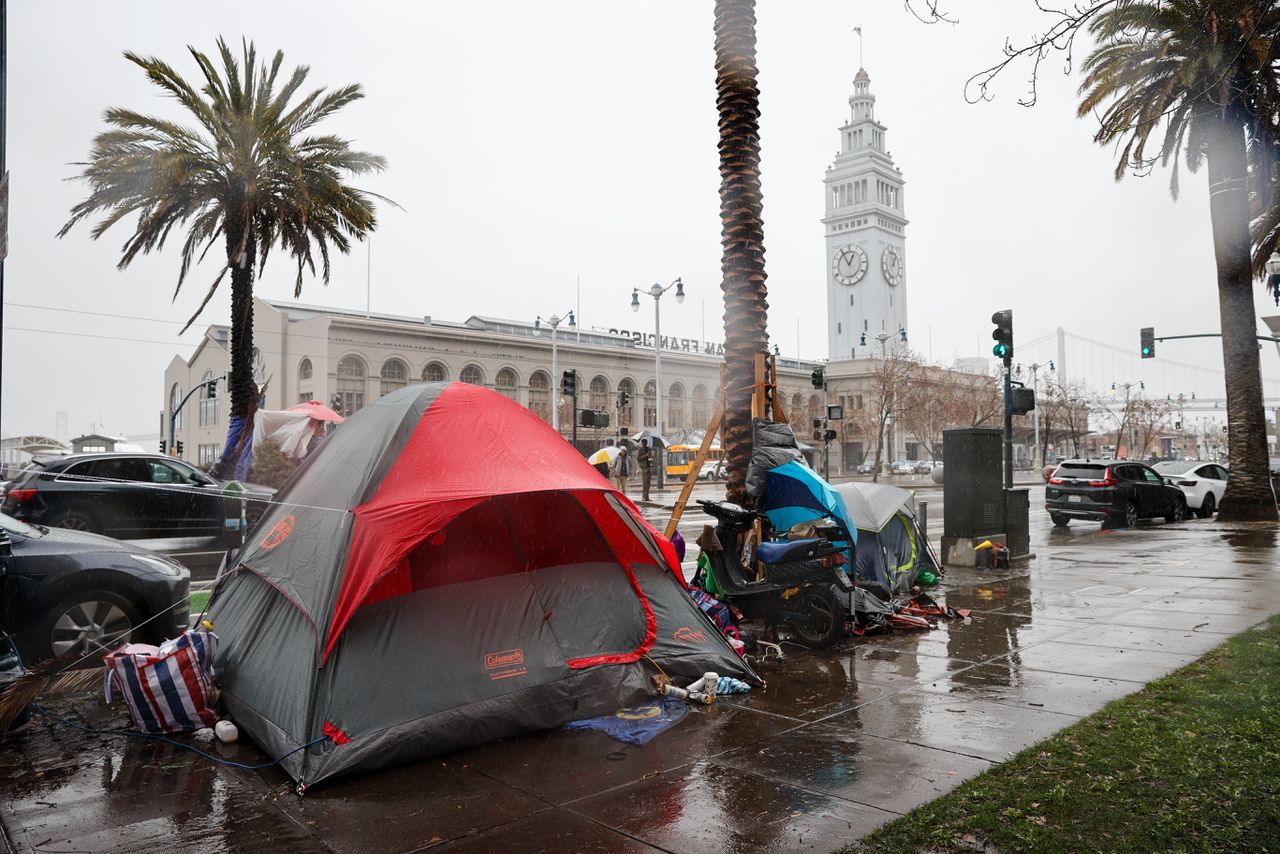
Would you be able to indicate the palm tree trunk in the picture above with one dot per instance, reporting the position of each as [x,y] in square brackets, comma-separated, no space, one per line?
[243,390]
[1248,495]
[742,229]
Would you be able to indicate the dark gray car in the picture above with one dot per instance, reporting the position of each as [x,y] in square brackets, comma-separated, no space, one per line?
[73,592]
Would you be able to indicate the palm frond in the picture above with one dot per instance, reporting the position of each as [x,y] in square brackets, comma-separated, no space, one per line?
[48,677]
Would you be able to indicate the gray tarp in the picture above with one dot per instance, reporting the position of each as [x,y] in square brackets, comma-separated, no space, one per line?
[872,505]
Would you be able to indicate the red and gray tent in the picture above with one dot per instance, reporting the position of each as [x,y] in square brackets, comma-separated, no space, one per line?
[446,570]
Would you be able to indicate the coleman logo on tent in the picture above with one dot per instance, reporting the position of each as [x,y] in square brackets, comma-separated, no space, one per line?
[278,533]
[509,662]
[684,633]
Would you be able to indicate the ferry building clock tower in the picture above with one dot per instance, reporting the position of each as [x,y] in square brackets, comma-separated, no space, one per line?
[865,236]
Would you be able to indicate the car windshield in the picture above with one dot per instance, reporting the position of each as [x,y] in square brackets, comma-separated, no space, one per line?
[22,529]
[1082,471]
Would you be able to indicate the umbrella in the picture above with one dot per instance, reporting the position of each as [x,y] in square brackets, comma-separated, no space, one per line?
[656,440]
[872,505]
[795,493]
[318,411]
[604,455]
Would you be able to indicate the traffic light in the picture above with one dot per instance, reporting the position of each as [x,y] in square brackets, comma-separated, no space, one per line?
[1003,336]
[623,399]
[593,418]
[830,435]
[162,445]
[818,377]
[212,391]
[1148,342]
[177,446]
[569,383]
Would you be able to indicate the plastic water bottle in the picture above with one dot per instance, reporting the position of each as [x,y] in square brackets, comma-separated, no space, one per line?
[226,731]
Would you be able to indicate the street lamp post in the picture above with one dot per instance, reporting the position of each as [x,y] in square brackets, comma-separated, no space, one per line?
[554,322]
[656,291]
[1037,455]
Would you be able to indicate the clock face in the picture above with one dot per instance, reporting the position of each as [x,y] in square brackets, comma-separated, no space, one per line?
[891,265]
[849,264]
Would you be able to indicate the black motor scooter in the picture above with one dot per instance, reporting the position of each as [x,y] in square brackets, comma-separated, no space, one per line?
[813,611]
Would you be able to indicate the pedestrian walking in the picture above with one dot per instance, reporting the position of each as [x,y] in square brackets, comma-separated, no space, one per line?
[622,468]
[645,458]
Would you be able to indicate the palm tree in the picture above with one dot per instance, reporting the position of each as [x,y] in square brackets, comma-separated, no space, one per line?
[249,171]
[742,229]
[1202,69]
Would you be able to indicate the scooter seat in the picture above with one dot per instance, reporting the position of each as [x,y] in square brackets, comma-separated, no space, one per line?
[786,550]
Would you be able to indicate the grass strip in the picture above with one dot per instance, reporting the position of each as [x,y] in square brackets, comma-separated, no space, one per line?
[1190,763]
[198,601]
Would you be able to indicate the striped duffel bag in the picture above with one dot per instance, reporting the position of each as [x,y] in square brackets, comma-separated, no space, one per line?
[167,688]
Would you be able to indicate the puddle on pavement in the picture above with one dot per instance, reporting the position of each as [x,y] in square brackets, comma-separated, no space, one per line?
[882,722]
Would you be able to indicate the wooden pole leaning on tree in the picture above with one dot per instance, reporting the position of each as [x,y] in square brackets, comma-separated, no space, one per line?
[691,479]
[761,402]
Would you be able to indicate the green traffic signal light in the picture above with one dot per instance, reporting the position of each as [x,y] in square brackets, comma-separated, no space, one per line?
[1000,350]
[1146,351]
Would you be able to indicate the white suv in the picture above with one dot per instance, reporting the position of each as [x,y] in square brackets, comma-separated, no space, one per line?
[1202,483]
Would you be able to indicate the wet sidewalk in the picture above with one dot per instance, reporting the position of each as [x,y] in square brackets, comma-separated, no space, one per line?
[837,744]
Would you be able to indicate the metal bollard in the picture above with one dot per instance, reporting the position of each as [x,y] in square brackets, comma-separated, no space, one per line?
[923,513]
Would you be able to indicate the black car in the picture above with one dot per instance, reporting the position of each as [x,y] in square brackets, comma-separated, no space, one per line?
[165,503]
[1116,492]
[72,592]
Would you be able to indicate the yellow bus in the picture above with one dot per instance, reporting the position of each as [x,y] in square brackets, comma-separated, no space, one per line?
[680,458]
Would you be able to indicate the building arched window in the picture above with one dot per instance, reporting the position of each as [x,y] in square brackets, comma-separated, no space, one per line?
[472,374]
[677,408]
[540,395]
[506,383]
[394,374]
[351,384]
[175,398]
[435,372]
[651,404]
[815,408]
[797,413]
[305,382]
[701,412]
[599,397]
[627,414]
[208,405]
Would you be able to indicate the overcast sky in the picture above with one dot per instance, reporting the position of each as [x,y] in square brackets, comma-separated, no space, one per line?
[535,144]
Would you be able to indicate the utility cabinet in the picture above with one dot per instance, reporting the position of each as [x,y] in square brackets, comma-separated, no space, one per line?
[973,502]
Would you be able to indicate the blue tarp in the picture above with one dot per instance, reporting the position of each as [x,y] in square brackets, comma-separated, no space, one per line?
[233,466]
[637,724]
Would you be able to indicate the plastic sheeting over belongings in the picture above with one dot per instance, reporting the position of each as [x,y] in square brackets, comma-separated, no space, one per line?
[772,444]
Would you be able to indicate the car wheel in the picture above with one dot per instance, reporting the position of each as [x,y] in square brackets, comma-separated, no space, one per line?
[76,521]
[1179,513]
[1208,506]
[88,623]
[1060,521]
[1130,515]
